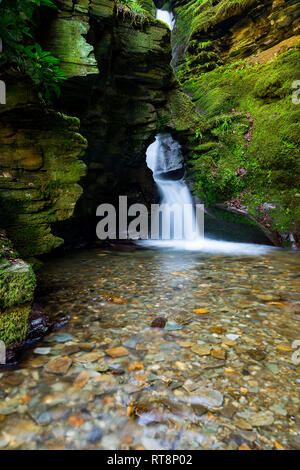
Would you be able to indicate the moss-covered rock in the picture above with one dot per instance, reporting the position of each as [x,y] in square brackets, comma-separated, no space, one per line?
[39,170]
[238,61]
[122,105]
[17,285]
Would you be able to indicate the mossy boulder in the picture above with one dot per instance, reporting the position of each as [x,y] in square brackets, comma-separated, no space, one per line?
[17,285]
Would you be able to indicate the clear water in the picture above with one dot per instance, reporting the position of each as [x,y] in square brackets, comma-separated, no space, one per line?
[215,380]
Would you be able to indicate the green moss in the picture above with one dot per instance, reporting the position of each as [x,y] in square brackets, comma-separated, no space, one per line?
[66,40]
[234,218]
[261,96]
[35,240]
[14,324]
[17,284]
[183,115]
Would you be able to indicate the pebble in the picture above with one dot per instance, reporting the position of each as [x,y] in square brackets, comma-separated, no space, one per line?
[117,352]
[59,366]
[232,337]
[172,325]
[208,398]
[42,351]
[95,435]
[63,338]
[78,396]
[264,418]
[201,350]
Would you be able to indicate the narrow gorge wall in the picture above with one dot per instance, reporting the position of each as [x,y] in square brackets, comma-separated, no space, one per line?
[122,87]
[123,90]
[239,61]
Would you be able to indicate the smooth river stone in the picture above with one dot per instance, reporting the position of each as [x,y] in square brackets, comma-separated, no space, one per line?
[63,338]
[208,398]
[201,350]
[59,366]
[117,352]
[264,418]
[42,350]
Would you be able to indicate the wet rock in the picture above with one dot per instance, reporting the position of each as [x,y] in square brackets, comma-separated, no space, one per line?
[190,386]
[9,406]
[279,410]
[40,324]
[38,412]
[95,435]
[133,341]
[257,354]
[242,424]
[116,300]
[249,436]
[201,350]
[218,354]
[172,325]
[90,357]
[264,418]
[218,330]
[198,409]
[102,367]
[273,368]
[201,311]
[228,411]
[81,379]
[294,442]
[83,346]
[63,338]
[59,366]
[232,337]
[69,350]
[208,398]
[117,352]
[117,371]
[42,351]
[158,322]
[13,380]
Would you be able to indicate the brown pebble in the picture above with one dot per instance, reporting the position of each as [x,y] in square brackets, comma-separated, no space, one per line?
[158,322]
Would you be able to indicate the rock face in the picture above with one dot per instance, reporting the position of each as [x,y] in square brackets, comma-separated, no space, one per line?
[17,284]
[39,170]
[239,63]
[122,87]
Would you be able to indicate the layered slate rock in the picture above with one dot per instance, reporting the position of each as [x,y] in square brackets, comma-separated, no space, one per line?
[39,169]
[239,61]
[123,101]
[17,284]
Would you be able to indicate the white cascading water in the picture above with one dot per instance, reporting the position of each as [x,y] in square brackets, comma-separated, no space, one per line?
[166,17]
[163,157]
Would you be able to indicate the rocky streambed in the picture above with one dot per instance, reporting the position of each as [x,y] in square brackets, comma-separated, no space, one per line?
[164,350]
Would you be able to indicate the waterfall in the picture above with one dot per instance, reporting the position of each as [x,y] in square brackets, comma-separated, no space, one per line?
[165,16]
[164,158]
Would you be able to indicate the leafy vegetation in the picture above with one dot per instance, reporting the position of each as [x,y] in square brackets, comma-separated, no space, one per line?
[260,166]
[20,53]
[133,10]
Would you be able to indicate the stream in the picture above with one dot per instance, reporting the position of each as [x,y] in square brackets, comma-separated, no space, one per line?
[165,349]
[168,342]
